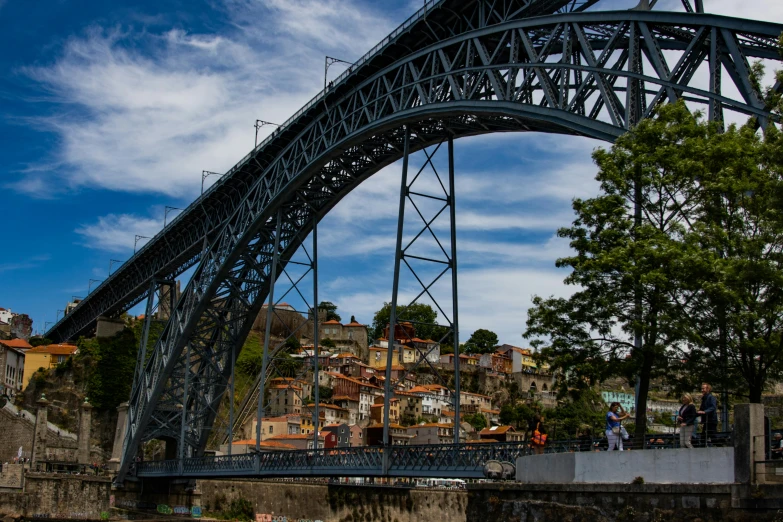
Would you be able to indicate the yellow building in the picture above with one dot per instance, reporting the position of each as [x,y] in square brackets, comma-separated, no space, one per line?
[45,357]
[378,355]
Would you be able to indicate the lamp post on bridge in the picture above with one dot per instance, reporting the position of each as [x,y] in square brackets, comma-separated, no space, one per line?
[58,313]
[328,62]
[166,211]
[89,286]
[262,123]
[204,175]
[111,263]
[136,240]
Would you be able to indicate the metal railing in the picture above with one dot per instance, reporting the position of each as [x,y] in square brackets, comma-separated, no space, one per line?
[453,460]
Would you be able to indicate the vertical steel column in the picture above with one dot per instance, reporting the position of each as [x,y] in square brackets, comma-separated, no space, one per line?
[715,106]
[141,357]
[268,330]
[455,307]
[316,377]
[395,287]
[185,407]
[232,362]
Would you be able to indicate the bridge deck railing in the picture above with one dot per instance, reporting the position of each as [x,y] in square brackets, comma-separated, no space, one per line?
[467,459]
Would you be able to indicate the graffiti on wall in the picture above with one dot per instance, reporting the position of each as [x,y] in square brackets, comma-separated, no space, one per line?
[264,517]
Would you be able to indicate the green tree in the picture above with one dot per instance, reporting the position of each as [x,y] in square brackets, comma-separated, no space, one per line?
[629,251]
[735,304]
[423,317]
[330,309]
[37,340]
[327,343]
[580,408]
[481,341]
[508,415]
[324,393]
[477,420]
[112,362]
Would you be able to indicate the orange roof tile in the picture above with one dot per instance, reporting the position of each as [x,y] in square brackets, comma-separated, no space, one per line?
[357,381]
[286,387]
[17,343]
[332,321]
[475,394]
[55,349]
[432,425]
[496,430]
[327,406]
[264,444]
[345,355]
[354,324]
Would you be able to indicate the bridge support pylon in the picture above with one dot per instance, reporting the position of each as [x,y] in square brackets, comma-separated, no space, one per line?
[426,262]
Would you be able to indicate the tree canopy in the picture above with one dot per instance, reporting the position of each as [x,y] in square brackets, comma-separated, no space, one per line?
[481,341]
[677,261]
[331,310]
[422,316]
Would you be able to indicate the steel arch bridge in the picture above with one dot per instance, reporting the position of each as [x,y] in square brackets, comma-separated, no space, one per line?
[456,68]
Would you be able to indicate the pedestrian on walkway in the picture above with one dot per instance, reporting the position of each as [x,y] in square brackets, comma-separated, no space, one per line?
[708,411]
[538,440]
[614,417]
[687,419]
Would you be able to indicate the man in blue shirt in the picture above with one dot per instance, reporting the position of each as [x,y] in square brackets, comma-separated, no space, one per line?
[708,412]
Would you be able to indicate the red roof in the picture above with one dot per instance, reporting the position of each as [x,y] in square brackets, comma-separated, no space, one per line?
[17,343]
[55,349]
[264,444]
[354,323]
[332,321]
[496,430]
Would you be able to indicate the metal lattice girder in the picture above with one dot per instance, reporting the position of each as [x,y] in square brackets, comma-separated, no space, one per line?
[178,246]
[555,74]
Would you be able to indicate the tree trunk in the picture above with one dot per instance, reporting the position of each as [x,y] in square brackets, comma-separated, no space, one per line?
[641,401]
[755,390]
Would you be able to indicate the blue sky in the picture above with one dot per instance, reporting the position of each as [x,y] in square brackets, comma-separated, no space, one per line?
[109,111]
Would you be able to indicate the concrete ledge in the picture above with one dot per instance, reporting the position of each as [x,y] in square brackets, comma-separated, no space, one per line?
[685,466]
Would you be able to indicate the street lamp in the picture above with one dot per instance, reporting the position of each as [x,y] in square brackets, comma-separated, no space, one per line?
[111,263]
[89,286]
[328,62]
[166,213]
[58,313]
[261,123]
[46,325]
[136,241]
[204,175]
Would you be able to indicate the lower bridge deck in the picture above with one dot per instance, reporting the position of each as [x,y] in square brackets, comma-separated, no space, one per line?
[445,460]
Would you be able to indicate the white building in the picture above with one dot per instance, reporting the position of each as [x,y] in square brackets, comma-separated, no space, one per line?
[12,365]
[6,315]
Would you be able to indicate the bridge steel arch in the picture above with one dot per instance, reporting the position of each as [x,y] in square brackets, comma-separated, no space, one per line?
[592,74]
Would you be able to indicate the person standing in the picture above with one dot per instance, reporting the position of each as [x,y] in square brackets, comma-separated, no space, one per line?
[686,418]
[708,411]
[538,440]
[613,430]
[776,451]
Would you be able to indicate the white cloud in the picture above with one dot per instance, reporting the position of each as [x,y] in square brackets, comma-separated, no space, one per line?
[152,120]
[116,233]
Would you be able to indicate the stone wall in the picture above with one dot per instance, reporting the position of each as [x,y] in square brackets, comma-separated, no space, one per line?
[11,476]
[337,503]
[611,503]
[18,430]
[58,496]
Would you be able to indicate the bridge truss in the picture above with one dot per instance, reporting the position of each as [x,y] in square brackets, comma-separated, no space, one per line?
[455,69]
